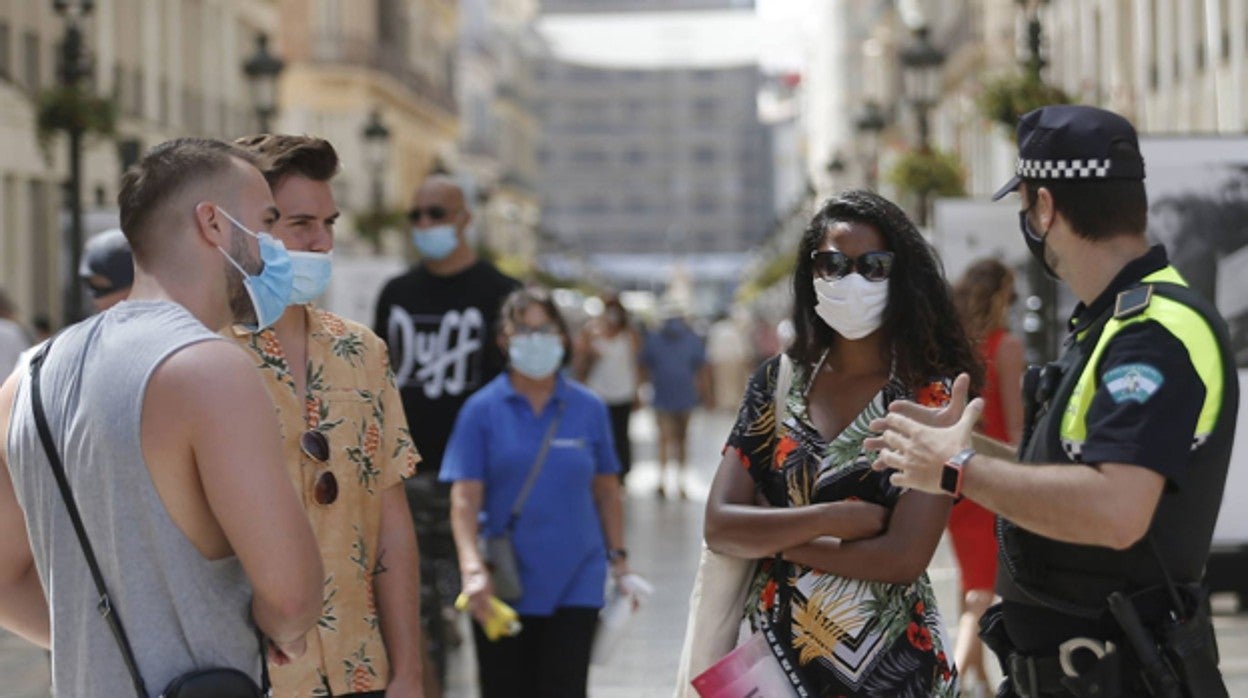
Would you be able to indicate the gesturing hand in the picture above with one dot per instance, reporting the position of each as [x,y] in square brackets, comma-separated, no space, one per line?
[916,441]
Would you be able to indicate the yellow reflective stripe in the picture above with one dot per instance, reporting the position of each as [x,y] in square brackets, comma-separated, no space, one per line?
[1184,323]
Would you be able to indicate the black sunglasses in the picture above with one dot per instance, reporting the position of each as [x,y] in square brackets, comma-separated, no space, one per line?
[435,213]
[831,265]
[315,446]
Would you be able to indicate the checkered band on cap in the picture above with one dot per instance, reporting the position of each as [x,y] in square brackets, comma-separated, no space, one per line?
[1062,169]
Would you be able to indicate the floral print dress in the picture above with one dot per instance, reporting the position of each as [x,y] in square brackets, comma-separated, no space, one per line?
[850,637]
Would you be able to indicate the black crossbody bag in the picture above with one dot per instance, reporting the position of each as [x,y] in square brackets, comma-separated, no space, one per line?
[200,683]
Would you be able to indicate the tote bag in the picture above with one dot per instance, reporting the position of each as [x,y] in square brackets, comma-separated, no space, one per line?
[717,602]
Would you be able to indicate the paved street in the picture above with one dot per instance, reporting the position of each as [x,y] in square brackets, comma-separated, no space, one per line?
[663,539]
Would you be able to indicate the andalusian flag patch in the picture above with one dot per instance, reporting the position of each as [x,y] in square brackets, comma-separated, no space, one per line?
[1135,382]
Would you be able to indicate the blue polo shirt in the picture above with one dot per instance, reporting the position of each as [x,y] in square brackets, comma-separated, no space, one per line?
[558,536]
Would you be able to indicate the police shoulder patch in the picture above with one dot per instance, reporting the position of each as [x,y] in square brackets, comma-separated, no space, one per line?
[1136,382]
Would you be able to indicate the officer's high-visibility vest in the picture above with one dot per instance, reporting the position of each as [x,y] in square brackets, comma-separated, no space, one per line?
[1184,323]
[1076,579]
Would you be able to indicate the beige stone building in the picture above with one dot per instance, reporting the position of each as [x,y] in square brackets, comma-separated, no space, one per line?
[347,58]
[498,53]
[174,67]
[1171,66]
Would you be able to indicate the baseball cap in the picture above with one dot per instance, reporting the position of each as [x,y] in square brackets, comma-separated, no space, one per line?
[106,257]
[1069,141]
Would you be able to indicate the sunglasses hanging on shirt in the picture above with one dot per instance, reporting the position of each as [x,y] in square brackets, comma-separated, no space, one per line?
[315,446]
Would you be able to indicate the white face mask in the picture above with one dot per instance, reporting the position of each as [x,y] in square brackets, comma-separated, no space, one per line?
[852,306]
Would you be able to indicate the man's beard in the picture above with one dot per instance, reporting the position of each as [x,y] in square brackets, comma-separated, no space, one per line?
[242,310]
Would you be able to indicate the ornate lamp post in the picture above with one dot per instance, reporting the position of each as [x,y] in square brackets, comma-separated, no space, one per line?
[74,68]
[376,156]
[870,122]
[1040,324]
[921,63]
[262,70]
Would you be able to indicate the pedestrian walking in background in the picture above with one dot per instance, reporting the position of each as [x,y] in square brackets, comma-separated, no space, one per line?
[606,359]
[107,268]
[569,527]
[842,578]
[673,360]
[730,354]
[1106,524]
[170,448]
[346,446]
[983,297]
[439,319]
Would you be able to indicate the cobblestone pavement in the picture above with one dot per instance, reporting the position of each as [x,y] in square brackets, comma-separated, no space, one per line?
[663,539]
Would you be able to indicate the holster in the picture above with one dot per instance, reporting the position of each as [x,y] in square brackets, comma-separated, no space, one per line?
[1190,647]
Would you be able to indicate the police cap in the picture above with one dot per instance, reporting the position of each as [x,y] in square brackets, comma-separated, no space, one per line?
[1076,142]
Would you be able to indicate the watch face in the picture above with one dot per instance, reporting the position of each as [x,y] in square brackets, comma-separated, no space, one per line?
[949,478]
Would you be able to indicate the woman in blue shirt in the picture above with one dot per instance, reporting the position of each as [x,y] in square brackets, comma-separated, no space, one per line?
[570,527]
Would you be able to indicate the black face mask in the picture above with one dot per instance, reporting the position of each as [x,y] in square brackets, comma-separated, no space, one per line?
[1035,243]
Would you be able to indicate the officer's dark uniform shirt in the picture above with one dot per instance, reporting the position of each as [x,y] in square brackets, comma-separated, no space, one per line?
[1144,423]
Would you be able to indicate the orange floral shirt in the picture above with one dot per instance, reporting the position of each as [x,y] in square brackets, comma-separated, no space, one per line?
[352,400]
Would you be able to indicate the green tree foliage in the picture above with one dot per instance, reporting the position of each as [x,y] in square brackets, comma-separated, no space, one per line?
[931,172]
[1008,97]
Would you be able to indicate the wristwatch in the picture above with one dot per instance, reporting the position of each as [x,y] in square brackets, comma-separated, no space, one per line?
[951,474]
[616,554]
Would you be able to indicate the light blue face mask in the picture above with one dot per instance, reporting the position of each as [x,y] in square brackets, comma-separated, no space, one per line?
[536,355]
[435,243]
[311,271]
[270,289]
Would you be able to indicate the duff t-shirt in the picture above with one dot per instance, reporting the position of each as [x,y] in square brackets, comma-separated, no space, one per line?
[441,332]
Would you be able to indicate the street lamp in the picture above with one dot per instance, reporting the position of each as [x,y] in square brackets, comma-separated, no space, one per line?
[376,155]
[870,122]
[75,66]
[262,70]
[921,62]
[1034,62]
[1040,324]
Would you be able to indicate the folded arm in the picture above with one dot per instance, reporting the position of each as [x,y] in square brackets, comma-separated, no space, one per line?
[736,525]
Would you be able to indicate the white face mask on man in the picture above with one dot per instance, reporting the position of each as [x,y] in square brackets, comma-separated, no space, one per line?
[851,305]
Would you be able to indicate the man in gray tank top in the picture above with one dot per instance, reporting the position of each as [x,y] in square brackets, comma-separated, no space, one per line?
[170,446]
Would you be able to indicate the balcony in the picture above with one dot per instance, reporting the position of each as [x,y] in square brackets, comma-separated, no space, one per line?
[388,59]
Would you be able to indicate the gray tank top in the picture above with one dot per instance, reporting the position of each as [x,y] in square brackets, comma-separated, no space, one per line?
[181,611]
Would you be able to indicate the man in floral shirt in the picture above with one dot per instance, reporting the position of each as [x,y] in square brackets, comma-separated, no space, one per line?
[347,447]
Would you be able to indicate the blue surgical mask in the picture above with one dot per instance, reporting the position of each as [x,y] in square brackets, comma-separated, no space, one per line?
[311,272]
[270,289]
[435,243]
[536,355]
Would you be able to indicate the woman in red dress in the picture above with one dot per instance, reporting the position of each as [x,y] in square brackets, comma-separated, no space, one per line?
[983,297]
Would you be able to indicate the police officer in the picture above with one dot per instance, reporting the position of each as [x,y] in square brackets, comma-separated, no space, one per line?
[1122,474]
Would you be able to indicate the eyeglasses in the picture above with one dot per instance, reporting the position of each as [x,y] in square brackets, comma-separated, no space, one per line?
[315,446]
[435,213]
[831,264]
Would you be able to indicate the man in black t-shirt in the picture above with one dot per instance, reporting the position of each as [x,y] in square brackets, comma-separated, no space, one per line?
[439,319]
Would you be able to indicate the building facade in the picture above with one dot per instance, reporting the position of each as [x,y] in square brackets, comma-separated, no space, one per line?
[498,53]
[669,161]
[346,59]
[161,61]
